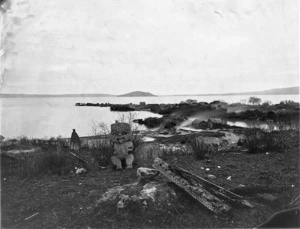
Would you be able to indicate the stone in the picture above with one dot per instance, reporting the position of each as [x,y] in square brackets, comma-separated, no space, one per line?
[146,173]
[80,170]
[210,176]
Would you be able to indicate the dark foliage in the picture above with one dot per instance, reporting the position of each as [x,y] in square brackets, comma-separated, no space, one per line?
[259,141]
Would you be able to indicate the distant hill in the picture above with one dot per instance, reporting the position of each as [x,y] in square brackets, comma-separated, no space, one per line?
[276,91]
[137,94]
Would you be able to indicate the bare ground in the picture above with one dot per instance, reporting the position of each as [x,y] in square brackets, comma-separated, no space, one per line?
[69,201]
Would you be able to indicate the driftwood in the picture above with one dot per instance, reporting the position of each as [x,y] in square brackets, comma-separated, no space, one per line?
[78,160]
[214,197]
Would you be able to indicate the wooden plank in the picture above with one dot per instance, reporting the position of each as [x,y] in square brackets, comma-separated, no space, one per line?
[212,196]
[74,156]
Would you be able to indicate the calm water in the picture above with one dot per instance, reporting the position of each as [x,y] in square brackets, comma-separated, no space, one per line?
[47,117]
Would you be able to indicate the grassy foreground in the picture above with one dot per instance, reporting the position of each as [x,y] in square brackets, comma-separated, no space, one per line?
[68,201]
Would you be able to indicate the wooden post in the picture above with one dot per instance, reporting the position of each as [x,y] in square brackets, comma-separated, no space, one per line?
[214,197]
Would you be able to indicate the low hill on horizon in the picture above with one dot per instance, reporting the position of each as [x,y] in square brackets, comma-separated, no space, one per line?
[137,94]
[275,91]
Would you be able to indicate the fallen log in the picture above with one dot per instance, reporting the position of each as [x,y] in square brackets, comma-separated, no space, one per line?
[79,160]
[212,196]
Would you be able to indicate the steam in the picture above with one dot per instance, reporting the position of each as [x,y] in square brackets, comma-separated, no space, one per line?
[13,15]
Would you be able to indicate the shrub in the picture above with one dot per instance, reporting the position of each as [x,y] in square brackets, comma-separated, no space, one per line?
[47,162]
[43,162]
[23,140]
[53,162]
[253,140]
[152,122]
[199,149]
[259,141]
[102,154]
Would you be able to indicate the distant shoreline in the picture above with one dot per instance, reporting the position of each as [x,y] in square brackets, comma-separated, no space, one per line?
[276,91]
[7,96]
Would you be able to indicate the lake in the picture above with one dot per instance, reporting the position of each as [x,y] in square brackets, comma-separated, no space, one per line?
[52,117]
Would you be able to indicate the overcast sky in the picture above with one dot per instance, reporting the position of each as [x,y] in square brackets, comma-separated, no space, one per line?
[159,46]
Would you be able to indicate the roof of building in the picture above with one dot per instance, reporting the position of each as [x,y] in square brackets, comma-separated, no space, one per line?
[215,120]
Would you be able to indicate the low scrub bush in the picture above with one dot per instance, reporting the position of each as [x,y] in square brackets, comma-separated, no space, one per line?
[260,141]
[49,161]
[199,149]
[102,154]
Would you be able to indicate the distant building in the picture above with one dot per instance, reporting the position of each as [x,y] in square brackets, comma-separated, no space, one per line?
[219,105]
[143,103]
[199,124]
[191,101]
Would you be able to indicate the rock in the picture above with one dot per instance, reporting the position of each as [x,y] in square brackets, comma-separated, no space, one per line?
[157,196]
[146,173]
[111,194]
[210,176]
[207,169]
[123,199]
[145,153]
[228,178]
[80,170]
[268,197]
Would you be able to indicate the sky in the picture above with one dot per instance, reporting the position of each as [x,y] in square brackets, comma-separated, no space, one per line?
[159,46]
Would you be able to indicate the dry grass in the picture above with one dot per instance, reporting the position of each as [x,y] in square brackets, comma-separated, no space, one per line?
[68,201]
[199,149]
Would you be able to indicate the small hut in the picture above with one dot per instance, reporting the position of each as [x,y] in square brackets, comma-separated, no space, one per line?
[214,123]
[199,124]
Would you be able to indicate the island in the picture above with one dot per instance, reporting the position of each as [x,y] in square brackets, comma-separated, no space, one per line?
[137,94]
